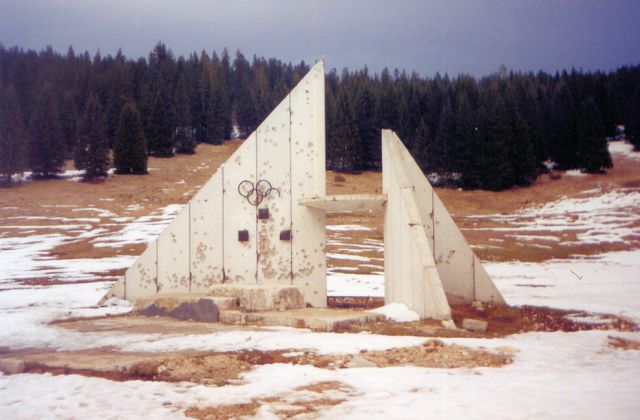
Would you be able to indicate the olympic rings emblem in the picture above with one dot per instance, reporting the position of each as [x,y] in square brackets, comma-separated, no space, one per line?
[255,194]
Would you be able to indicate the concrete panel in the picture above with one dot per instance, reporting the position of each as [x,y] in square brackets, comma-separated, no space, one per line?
[308,180]
[453,256]
[485,289]
[173,255]
[240,257]
[117,291]
[411,276]
[458,268]
[218,238]
[141,279]
[206,258]
[274,171]
[414,177]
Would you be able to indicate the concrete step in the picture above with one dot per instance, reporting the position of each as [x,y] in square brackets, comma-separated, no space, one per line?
[271,297]
[313,318]
[170,301]
[233,317]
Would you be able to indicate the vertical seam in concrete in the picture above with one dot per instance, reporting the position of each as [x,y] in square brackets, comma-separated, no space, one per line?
[256,215]
[189,245]
[433,221]
[473,270]
[290,196]
[157,269]
[224,273]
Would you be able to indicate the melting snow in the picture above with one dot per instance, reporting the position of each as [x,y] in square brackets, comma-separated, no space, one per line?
[398,312]
[341,228]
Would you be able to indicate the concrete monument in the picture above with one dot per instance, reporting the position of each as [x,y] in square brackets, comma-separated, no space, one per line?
[259,224]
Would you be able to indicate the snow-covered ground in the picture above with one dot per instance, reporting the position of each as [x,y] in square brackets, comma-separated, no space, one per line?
[554,375]
[26,256]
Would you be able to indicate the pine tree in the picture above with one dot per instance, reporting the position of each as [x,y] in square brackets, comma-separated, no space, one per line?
[245,105]
[476,152]
[202,116]
[92,148]
[522,156]
[496,170]
[160,121]
[368,132]
[330,125]
[632,120]
[185,140]
[130,146]
[564,128]
[219,109]
[422,145]
[345,135]
[119,93]
[47,146]
[464,133]
[593,154]
[13,136]
[68,121]
[444,156]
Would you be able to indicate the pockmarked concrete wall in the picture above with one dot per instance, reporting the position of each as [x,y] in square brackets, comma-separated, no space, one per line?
[459,271]
[410,273]
[245,225]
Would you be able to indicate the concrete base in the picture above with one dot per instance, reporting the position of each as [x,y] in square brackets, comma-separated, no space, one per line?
[225,303]
[202,310]
[169,302]
[474,325]
[315,319]
[261,297]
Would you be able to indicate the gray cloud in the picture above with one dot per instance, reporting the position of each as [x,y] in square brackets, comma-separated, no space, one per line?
[426,36]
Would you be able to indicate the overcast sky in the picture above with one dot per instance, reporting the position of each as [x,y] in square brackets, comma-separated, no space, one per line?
[424,36]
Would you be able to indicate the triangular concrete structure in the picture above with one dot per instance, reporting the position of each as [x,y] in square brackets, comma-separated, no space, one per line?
[244,226]
[260,220]
[425,255]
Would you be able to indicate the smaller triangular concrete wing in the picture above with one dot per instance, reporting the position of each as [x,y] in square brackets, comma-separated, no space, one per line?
[418,233]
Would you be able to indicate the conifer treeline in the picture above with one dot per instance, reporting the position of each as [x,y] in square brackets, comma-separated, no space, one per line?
[490,133]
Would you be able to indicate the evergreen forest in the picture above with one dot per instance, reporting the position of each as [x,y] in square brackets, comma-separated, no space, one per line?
[494,132]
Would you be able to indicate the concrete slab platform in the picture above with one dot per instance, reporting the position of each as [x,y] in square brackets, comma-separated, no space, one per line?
[313,318]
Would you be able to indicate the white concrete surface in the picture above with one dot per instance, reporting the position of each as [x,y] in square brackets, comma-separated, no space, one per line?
[463,277]
[285,157]
[346,202]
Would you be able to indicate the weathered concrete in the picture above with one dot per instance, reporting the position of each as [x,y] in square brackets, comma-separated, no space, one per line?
[460,272]
[282,161]
[201,310]
[169,302]
[474,325]
[315,319]
[261,297]
[347,202]
[256,229]
[411,276]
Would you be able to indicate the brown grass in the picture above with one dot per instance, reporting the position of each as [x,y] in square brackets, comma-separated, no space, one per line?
[434,354]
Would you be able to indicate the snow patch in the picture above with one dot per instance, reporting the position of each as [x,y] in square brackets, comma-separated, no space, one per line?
[398,312]
[343,228]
